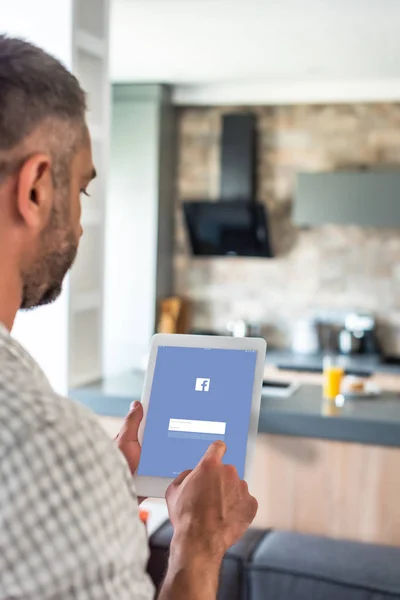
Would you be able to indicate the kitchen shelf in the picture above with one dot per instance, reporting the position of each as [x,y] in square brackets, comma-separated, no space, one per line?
[90,44]
[92,16]
[86,290]
[85,356]
[86,301]
[87,273]
[97,132]
[91,217]
[91,73]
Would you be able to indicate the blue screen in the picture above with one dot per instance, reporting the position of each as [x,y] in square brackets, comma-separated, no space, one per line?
[198,396]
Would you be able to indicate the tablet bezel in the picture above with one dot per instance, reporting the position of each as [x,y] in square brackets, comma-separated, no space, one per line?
[156,486]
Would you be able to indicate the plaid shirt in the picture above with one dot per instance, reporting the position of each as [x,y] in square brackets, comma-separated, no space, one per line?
[69,525]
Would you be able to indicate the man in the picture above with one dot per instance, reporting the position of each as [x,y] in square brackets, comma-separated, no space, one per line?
[69,524]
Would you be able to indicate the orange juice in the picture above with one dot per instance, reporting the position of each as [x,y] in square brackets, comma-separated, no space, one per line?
[330,409]
[333,375]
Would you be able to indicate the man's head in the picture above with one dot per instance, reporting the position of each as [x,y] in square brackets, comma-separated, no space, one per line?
[45,165]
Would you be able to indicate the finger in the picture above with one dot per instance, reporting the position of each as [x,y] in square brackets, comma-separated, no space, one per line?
[253,507]
[215,451]
[172,488]
[181,478]
[244,486]
[231,471]
[130,427]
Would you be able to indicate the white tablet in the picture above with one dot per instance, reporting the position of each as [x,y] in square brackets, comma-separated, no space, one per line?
[198,389]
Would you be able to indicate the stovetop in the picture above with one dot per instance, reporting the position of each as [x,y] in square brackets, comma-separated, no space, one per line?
[391,360]
[357,364]
[318,369]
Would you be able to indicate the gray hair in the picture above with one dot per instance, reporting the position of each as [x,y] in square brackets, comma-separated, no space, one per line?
[35,89]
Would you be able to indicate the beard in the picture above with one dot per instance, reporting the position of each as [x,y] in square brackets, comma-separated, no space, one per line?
[42,281]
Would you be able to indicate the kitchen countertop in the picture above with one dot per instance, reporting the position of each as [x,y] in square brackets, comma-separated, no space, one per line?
[360,363]
[305,414]
[374,421]
[111,397]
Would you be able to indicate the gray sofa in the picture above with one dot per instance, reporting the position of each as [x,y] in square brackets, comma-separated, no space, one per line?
[276,565]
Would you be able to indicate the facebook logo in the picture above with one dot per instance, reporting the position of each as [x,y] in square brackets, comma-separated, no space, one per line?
[202,385]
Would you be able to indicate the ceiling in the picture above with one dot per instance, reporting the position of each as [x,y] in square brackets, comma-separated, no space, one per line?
[192,43]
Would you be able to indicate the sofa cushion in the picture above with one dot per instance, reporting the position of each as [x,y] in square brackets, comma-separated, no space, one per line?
[159,552]
[233,582]
[302,567]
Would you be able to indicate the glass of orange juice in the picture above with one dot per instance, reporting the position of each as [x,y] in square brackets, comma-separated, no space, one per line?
[333,374]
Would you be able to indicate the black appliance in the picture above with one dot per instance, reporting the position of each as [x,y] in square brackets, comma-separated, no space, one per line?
[319,369]
[359,335]
[235,225]
[391,360]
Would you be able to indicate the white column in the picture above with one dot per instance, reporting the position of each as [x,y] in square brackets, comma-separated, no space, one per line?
[90,62]
[65,337]
[132,225]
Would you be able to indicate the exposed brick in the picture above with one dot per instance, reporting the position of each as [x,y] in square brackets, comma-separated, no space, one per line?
[338,267]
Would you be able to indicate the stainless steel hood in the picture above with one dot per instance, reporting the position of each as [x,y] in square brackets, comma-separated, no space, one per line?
[365,198]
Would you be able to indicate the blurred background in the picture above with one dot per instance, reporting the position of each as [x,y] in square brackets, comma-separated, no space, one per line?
[248,155]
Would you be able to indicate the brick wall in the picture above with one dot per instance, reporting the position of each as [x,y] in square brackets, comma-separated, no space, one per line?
[327,267]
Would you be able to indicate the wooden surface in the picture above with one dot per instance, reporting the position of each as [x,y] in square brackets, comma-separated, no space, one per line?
[329,488]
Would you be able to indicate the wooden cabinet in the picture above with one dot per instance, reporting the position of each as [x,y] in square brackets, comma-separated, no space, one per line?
[328,488]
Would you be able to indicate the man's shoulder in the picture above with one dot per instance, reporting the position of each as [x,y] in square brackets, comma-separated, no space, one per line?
[67,500]
[29,404]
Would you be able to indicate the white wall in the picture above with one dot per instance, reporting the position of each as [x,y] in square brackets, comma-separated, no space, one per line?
[44,22]
[44,332]
[260,51]
[297,92]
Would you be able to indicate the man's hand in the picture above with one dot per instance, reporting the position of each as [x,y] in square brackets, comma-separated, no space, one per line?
[210,509]
[211,502]
[127,439]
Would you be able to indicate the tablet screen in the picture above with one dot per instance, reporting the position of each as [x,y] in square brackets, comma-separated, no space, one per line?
[198,395]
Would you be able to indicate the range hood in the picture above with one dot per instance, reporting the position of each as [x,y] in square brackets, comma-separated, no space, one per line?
[235,225]
[364,198]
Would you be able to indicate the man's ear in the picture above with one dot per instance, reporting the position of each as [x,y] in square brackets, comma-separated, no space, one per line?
[35,191]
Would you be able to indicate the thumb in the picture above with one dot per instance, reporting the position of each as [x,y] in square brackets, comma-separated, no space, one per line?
[130,427]
[216,451]
[173,487]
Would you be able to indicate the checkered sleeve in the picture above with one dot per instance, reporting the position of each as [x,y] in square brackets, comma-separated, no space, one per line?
[69,526]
